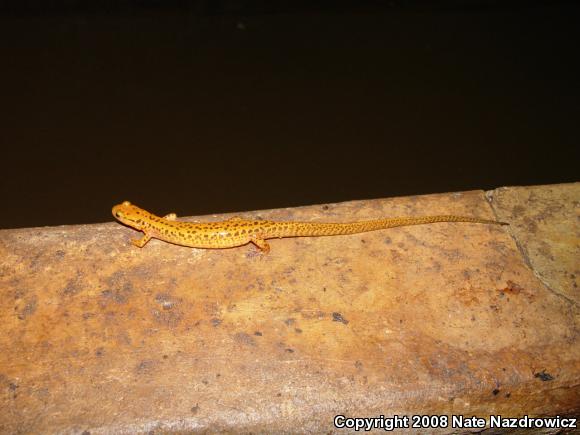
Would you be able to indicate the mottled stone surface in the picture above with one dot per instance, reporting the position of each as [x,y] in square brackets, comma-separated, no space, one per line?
[546,225]
[100,336]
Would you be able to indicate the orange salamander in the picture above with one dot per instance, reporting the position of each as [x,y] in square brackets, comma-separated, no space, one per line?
[237,231]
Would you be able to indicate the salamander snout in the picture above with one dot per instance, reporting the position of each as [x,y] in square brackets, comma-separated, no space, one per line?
[129,214]
[122,211]
[118,213]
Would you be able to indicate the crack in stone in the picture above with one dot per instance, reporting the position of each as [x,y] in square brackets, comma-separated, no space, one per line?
[489,195]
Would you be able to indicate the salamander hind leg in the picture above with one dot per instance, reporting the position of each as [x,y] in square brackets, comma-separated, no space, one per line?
[170,216]
[261,244]
[142,241]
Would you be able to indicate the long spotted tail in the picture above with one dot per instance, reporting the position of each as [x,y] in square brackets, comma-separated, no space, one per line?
[299,229]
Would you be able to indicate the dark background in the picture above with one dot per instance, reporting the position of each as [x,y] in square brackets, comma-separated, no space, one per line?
[204,107]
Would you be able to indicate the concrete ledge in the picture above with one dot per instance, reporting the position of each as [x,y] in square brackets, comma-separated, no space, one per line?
[452,318]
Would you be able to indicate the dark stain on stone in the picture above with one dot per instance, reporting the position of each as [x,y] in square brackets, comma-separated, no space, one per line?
[531,226]
[123,338]
[245,339]
[466,273]
[337,317]
[100,351]
[215,321]
[168,317]
[395,255]
[35,261]
[12,388]
[59,254]
[289,321]
[195,409]
[495,392]
[73,286]
[145,366]
[20,293]
[258,333]
[448,367]
[119,288]
[546,250]
[29,308]
[118,293]
[261,284]
[289,350]
[543,376]
[298,330]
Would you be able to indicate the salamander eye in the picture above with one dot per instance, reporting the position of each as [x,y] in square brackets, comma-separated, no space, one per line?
[117,214]
[126,203]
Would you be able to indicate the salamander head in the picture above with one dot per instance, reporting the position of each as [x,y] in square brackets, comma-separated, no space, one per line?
[130,215]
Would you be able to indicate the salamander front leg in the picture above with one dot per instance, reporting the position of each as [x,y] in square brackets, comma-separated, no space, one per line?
[142,241]
[261,244]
